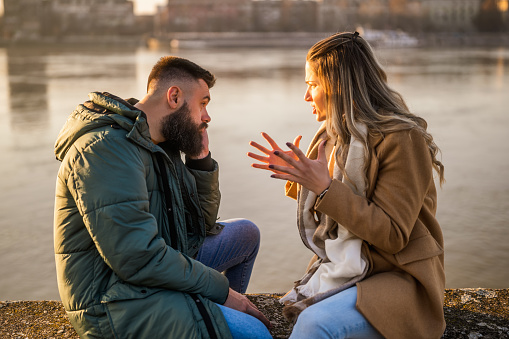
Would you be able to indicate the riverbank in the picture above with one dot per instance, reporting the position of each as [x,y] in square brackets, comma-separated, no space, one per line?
[194,40]
[382,39]
[469,313]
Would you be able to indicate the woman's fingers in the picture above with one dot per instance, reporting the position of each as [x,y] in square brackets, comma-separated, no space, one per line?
[287,158]
[258,157]
[297,151]
[260,166]
[260,147]
[270,141]
[284,169]
[283,176]
[297,140]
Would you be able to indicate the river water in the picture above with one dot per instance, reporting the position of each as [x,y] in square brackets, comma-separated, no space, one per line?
[463,94]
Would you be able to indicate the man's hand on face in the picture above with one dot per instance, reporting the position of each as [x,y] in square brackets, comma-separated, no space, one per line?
[241,303]
[205,146]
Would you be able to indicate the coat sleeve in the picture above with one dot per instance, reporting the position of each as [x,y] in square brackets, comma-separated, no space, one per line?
[291,189]
[388,217]
[109,185]
[207,186]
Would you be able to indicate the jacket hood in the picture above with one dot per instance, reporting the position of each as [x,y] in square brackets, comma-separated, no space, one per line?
[101,110]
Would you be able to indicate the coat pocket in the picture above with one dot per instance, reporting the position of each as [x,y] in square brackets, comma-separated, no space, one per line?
[124,291]
[162,315]
[421,248]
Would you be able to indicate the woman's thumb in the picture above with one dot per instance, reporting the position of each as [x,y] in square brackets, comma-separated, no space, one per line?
[321,151]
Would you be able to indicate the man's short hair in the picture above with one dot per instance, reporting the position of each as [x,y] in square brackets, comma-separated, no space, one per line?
[171,68]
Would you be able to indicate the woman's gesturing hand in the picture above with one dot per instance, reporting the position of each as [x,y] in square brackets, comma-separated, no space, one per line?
[271,158]
[293,165]
[312,174]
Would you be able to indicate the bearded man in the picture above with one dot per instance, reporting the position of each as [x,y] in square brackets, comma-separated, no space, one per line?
[137,246]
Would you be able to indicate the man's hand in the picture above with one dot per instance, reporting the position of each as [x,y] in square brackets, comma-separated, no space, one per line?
[205,146]
[241,303]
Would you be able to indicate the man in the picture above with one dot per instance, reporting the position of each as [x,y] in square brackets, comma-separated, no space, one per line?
[131,218]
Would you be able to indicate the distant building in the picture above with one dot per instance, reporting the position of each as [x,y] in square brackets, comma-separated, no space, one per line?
[24,17]
[204,16]
[451,15]
[338,15]
[285,15]
[237,15]
[32,19]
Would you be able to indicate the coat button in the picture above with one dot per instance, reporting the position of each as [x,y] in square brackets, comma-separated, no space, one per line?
[169,209]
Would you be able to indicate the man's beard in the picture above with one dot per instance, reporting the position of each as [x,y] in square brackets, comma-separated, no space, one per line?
[182,133]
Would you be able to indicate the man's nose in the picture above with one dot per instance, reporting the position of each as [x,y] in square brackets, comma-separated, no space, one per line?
[205,116]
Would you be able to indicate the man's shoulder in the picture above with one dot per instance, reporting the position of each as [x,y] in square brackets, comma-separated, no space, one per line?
[109,139]
[104,136]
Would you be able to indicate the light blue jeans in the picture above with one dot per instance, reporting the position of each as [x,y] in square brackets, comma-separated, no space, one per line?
[335,317]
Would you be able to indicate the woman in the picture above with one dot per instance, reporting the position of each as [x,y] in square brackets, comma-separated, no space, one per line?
[366,204]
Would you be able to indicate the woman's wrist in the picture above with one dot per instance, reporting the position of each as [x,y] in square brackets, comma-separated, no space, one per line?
[322,193]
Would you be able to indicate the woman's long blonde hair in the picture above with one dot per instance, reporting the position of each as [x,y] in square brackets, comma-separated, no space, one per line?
[356,90]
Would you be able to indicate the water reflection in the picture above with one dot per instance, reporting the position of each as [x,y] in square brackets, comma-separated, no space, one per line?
[462,93]
[499,78]
[27,88]
[33,74]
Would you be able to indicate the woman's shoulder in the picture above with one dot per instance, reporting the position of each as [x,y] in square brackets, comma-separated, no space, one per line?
[399,143]
[408,136]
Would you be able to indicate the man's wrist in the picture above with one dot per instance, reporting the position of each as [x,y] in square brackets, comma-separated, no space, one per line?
[204,164]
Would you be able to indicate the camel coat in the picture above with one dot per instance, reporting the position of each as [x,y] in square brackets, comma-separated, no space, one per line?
[403,293]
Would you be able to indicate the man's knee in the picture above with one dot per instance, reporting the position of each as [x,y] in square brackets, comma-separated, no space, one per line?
[250,230]
[245,229]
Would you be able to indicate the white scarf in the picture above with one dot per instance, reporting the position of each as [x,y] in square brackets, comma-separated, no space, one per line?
[340,263]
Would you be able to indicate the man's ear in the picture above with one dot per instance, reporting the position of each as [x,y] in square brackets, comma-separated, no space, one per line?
[173,96]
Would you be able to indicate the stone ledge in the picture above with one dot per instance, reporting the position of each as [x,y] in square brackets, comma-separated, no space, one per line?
[469,313]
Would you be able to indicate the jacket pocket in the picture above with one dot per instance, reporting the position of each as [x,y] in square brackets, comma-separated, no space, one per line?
[124,291]
[421,248]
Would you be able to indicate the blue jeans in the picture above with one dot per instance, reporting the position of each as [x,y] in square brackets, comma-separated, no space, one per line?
[244,326]
[334,317]
[233,251]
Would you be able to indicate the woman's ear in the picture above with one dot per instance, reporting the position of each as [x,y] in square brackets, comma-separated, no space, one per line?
[173,96]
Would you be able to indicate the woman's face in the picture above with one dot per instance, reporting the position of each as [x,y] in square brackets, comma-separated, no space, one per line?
[315,93]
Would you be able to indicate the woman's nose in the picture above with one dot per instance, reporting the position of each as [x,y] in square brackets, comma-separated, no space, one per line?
[307,95]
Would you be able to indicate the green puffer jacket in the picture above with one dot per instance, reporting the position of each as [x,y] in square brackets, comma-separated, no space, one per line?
[117,275]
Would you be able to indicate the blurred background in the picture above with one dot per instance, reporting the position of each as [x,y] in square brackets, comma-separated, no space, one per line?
[449,59]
